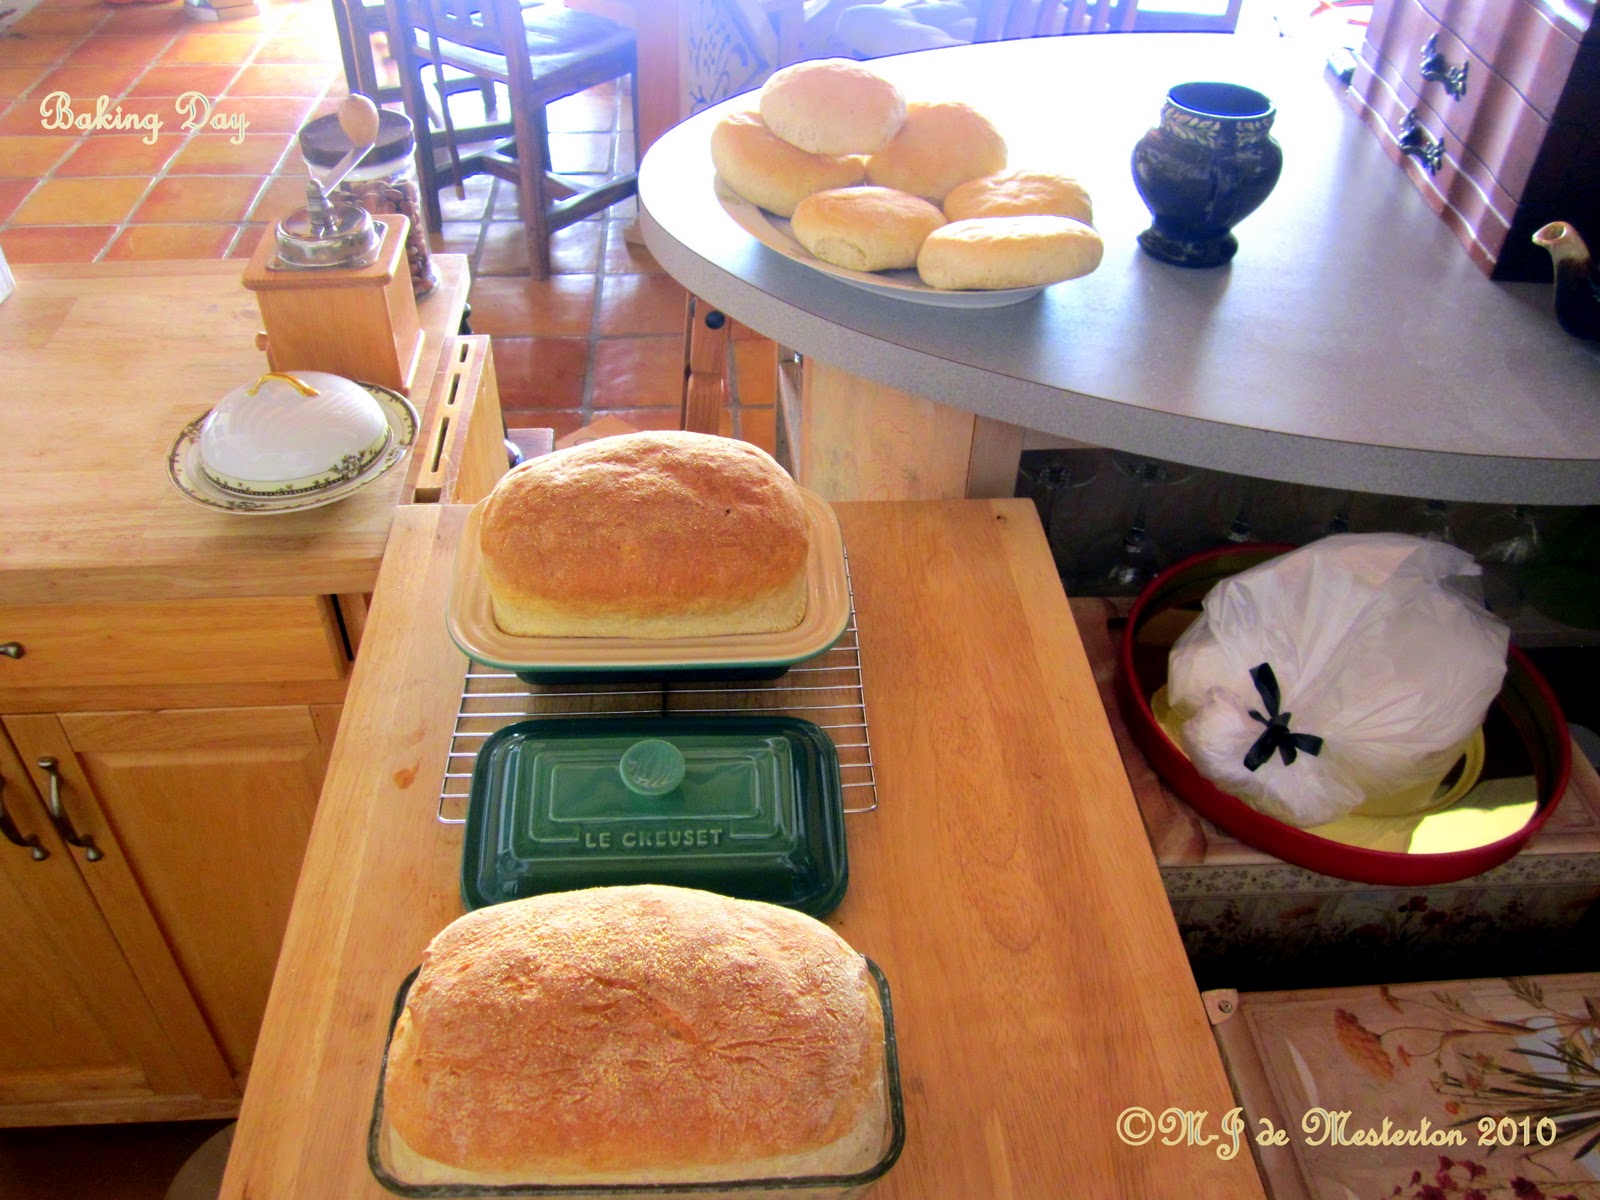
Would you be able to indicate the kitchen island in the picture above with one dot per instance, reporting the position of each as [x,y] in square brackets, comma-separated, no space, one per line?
[1003,883]
[171,677]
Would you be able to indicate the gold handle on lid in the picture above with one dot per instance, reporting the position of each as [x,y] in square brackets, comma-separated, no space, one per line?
[305,389]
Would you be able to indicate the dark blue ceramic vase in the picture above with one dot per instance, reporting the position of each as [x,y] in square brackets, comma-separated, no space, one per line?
[1208,165]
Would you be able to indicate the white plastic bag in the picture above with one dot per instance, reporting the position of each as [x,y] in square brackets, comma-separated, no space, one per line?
[1383,661]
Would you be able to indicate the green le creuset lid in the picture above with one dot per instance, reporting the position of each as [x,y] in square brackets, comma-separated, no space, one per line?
[748,806]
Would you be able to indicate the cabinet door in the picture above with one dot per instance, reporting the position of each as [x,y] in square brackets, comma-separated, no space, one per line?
[213,809]
[79,1037]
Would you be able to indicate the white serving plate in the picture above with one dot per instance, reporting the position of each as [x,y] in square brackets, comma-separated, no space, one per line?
[773,232]
[184,467]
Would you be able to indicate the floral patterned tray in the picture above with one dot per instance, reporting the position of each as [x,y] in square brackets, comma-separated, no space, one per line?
[1490,1088]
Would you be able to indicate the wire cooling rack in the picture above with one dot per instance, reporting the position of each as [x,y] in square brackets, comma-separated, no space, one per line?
[826,690]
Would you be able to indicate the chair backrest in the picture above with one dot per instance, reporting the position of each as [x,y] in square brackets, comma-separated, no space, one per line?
[1005,19]
[482,25]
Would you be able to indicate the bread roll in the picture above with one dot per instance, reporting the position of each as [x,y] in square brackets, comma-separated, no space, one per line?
[988,253]
[636,1034]
[941,144]
[832,106]
[865,228]
[770,172]
[646,535]
[1019,194]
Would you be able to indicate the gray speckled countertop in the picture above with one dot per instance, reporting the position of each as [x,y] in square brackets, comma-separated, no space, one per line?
[1351,343]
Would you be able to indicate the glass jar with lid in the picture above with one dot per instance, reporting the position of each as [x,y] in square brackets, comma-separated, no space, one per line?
[384,181]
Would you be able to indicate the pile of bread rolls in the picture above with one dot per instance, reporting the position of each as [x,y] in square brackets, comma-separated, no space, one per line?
[870,182]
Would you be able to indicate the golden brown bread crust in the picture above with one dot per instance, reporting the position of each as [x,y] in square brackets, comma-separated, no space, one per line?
[649,535]
[940,145]
[993,253]
[770,172]
[1020,193]
[608,1031]
[832,106]
[864,228]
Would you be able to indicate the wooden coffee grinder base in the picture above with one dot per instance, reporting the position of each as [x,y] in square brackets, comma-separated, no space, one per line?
[358,322]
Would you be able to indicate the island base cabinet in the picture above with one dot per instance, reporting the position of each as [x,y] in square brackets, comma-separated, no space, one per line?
[83,1035]
[199,820]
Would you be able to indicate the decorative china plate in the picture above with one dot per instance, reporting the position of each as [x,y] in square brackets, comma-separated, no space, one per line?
[183,466]
[773,232]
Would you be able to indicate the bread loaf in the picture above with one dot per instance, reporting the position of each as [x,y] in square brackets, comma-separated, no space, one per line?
[941,144]
[993,253]
[864,228]
[632,1035]
[646,535]
[832,106]
[1020,193]
[770,172]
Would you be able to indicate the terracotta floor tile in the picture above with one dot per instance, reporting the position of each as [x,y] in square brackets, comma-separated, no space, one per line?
[560,306]
[12,192]
[122,50]
[560,422]
[17,81]
[293,49]
[247,239]
[170,241]
[758,426]
[269,114]
[57,21]
[85,83]
[580,153]
[42,243]
[199,198]
[213,152]
[35,51]
[209,81]
[80,202]
[283,194]
[536,372]
[755,372]
[146,18]
[471,207]
[635,372]
[647,418]
[640,304]
[209,47]
[624,257]
[120,154]
[457,237]
[30,157]
[284,80]
[587,112]
[574,250]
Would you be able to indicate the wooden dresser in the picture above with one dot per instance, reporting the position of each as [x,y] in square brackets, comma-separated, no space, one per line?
[1493,108]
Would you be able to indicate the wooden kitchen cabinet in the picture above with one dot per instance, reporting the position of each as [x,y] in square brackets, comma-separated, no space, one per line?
[90,1037]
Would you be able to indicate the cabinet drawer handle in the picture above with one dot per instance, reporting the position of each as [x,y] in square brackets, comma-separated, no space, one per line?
[58,814]
[8,828]
[11,649]
[1437,68]
[1419,143]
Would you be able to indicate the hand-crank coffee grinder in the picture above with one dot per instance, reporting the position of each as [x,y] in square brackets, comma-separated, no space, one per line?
[333,283]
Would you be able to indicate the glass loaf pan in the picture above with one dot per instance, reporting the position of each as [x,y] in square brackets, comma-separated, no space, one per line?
[815,1187]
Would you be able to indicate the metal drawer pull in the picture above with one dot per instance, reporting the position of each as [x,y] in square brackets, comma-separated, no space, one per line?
[1419,143]
[1436,68]
[11,649]
[59,818]
[8,828]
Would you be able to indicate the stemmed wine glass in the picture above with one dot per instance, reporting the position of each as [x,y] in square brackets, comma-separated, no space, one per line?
[1511,543]
[1046,478]
[1121,563]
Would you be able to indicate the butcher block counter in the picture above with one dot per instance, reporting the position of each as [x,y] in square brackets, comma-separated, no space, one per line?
[1003,883]
[171,678]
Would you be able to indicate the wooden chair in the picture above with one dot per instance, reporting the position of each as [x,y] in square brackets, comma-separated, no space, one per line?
[539,53]
[864,29]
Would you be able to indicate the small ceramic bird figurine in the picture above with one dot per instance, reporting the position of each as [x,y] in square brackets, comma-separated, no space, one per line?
[1577,287]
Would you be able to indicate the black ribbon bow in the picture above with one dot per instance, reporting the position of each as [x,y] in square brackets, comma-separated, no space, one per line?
[1277,736]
